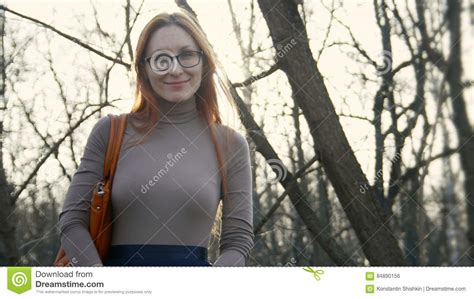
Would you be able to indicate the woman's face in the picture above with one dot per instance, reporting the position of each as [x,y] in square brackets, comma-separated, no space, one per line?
[177,83]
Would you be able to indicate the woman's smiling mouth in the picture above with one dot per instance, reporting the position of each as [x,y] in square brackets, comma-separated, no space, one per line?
[177,83]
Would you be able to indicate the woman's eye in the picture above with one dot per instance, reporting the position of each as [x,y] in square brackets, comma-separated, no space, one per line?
[186,55]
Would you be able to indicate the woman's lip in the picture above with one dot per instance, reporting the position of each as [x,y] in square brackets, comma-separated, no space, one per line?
[176,83]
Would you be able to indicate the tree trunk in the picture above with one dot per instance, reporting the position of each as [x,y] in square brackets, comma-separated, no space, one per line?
[8,247]
[460,118]
[409,220]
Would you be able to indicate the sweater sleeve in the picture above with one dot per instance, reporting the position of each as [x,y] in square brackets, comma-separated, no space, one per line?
[74,218]
[237,216]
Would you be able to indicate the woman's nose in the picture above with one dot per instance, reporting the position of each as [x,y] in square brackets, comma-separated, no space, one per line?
[177,68]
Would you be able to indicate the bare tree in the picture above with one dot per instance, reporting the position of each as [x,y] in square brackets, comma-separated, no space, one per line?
[336,156]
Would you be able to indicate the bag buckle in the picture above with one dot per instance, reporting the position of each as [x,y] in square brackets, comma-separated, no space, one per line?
[100,188]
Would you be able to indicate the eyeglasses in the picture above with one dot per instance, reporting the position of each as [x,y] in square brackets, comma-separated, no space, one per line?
[161,63]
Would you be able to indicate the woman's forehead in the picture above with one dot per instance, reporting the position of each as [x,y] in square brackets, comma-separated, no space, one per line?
[172,38]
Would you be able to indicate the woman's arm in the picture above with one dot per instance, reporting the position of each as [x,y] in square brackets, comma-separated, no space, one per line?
[74,218]
[237,216]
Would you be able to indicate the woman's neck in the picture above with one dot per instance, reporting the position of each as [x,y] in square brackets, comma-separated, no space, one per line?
[177,112]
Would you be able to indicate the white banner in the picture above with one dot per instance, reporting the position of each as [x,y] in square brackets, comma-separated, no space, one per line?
[226,282]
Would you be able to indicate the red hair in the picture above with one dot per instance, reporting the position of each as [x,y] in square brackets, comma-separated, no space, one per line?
[144,114]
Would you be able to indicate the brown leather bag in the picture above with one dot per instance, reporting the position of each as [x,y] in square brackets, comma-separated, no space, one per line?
[100,221]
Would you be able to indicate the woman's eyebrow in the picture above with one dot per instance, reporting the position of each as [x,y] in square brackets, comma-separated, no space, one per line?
[182,48]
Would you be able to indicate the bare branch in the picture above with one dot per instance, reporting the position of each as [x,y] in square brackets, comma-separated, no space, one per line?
[255,78]
[53,149]
[67,36]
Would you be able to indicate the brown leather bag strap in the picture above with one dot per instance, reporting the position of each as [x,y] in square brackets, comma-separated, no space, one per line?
[98,216]
[117,130]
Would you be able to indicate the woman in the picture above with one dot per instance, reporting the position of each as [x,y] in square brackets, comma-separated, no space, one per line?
[179,163]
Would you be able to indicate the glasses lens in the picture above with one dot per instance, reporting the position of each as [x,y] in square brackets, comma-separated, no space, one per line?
[161,62]
[189,59]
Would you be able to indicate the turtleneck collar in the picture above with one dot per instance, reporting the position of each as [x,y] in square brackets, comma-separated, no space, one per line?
[177,113]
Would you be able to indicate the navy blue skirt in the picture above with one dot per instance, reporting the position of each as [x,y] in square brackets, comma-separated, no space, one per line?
[156,255]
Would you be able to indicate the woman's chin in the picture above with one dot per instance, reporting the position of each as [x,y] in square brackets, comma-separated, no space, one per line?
[177,98]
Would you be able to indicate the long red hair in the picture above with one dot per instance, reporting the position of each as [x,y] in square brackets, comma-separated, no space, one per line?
[144,115]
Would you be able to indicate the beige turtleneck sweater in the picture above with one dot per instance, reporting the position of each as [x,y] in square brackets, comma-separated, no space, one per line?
[166,190]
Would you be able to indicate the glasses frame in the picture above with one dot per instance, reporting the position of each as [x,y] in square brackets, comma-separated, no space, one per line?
[173,57]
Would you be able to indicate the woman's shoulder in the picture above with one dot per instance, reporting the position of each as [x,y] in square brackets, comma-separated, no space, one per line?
[226,131]
[99,135]
[102,126]
[231,139]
